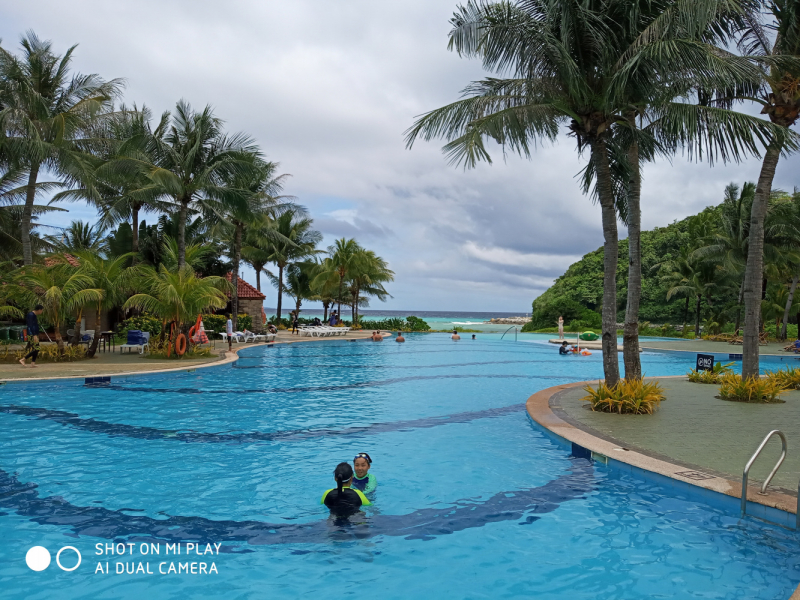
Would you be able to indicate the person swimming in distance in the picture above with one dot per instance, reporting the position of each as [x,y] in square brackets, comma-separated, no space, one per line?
[363,480]
[342,500]
[455,335]
[377,337]
[563,348]
[399,337]
[473,336]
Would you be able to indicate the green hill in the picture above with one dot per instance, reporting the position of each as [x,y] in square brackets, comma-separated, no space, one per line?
[578,293]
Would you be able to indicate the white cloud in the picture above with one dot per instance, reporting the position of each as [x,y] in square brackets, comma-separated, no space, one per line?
[327,89]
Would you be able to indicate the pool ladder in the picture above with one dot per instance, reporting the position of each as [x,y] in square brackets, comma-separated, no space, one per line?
[764,485]
[509,329]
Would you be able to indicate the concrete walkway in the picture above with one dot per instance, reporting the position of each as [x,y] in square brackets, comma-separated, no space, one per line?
[694,428]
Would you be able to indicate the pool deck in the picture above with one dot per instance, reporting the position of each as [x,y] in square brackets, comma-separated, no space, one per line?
[705,346]
[130,363]
[692,438]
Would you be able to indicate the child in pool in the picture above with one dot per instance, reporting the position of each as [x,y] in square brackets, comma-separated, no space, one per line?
[363,480]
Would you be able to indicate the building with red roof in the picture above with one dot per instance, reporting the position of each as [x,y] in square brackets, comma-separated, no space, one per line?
[251,301]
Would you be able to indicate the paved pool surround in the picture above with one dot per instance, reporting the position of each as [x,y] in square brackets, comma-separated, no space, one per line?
[693,480]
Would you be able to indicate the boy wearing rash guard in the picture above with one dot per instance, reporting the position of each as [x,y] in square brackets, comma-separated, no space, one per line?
[344,501]
[364,480]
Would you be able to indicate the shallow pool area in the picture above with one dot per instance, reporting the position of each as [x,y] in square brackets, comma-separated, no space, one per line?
[474,500]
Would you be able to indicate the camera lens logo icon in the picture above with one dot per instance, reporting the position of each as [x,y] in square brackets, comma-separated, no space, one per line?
[38,558]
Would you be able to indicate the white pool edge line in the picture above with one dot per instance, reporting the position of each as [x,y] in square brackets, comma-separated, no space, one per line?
[538,407]
[231,356]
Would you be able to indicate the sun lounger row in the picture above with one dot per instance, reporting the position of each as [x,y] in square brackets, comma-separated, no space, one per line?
[243,337]
[322,330]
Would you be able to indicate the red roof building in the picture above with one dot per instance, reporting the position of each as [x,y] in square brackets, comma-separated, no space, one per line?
[246,291]
[49,262]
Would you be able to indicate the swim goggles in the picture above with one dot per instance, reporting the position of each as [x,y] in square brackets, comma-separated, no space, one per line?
[363,455]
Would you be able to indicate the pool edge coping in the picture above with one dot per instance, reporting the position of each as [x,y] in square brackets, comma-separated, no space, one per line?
[540,410]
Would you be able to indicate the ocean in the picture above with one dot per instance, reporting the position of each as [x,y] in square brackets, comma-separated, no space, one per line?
[435,318]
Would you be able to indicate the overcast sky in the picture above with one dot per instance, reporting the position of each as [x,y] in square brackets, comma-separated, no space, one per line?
[327,89]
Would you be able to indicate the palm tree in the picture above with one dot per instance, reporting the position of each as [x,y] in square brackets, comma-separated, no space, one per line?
[296,242]
[255,252]
[338,266]
[177,296]
[595,66]
[298,282]
[79,236]
[367,274]
[60,288]
[780,101]
[252,200]
[48,117]
[113,277]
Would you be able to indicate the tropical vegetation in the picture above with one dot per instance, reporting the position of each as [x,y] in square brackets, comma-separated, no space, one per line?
[211,198]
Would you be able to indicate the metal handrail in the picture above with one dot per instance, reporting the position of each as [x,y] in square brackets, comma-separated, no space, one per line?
[753,459]
[514,327]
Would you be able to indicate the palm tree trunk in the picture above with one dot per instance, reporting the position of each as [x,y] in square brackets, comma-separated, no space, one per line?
[685,315]
[76,333]
[789,302]
[27,212]
[739,306]
[339,307]
[325,306]
[258,268]
[755,262]
[280,290]
[697,317]
[59,339]
[135,227]
[610,258]
[182,233]
[237,252]
[358,296]
[630,332]
[96,339]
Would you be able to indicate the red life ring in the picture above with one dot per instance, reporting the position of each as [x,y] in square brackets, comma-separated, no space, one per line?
[180,344]
[191,332]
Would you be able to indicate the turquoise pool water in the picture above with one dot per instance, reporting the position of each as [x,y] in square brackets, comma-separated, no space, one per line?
[474,500]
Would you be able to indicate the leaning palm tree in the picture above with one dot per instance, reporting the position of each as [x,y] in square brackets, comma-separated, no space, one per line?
[48,117]
[598,67]
[177,296]
[296,242]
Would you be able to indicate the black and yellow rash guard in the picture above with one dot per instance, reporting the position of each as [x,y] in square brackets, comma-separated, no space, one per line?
[345,503]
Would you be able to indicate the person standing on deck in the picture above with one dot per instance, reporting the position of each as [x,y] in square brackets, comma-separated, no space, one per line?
[560,327]
[229,331]
[32,329]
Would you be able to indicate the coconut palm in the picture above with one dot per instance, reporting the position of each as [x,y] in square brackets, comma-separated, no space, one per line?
[780,101]
[366,276]
[252,202]
[113,276]
[60,288]
[80,235]
[255,252]
[296,241]
[595,66]
[338,267]
[298,282]
[48,118]
[177,296]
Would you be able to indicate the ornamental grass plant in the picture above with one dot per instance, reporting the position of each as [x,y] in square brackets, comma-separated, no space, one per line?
[712,376]
[636,397]
[48,353]
[789,377]
[758,389]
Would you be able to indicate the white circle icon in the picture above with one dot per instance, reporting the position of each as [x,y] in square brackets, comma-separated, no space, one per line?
[58,557]
[38,558]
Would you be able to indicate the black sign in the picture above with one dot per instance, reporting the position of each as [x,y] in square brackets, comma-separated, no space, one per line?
[705,362]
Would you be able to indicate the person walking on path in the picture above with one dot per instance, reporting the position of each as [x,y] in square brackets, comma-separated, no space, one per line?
[32,328]
[295,324]
[560,328]
[229,331]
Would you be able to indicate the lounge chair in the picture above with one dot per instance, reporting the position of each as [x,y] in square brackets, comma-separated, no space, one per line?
[139,340]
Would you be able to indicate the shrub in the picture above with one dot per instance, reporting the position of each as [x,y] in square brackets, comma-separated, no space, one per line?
[47,353]
[397,324]
[244,322]
[736,389]
[712,376]
[143,322]
[217,322]
[635,397]
[158,349]
[789,377]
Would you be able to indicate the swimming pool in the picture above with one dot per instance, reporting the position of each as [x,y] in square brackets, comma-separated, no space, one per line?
[474,500]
